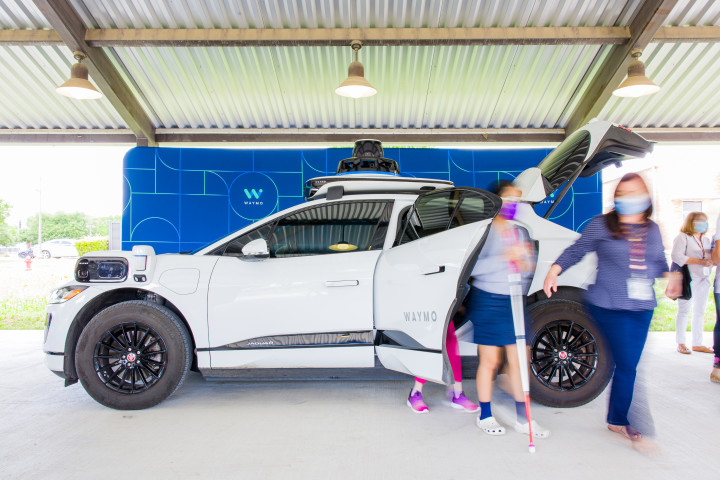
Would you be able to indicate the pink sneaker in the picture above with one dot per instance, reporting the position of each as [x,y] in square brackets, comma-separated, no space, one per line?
[461,402]
[416,403]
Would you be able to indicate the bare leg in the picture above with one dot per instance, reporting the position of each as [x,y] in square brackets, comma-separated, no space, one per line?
[513,372]
[490,359]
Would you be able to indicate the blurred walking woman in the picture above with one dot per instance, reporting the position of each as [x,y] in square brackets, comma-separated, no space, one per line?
[691,248]
[630,257]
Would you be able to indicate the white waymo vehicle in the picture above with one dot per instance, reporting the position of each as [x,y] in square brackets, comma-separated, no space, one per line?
[367,273]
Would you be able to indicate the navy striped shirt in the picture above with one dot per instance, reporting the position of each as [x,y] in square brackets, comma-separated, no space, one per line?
[613,269]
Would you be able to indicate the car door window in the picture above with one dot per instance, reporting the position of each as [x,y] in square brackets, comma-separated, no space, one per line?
[445,209]
[331,228]
[235,246]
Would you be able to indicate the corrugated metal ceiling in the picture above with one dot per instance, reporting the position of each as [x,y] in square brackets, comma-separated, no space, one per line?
[352,13]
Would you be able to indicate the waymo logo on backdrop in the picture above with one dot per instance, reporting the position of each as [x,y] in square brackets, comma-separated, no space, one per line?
[252,193]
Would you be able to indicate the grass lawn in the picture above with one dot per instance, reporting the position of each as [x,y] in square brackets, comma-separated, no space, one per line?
[664,317]
[22,313]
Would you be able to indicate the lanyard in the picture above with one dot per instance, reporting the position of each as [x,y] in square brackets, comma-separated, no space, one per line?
[636,235]
[699,243]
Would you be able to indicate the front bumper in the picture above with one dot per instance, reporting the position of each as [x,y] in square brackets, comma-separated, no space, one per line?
[55,361]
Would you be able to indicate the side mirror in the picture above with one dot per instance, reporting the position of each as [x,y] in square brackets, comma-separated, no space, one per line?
[257,249]
[532,185]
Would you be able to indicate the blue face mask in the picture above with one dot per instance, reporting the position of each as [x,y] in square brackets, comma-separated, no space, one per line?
[632,205]
[700,227]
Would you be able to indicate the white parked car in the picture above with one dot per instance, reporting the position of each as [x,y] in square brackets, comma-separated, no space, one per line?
[60,247]
[372,266]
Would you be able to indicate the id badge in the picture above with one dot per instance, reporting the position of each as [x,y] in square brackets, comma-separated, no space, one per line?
[706,271]
[640,289]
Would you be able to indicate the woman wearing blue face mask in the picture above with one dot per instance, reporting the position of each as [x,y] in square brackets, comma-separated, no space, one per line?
[630,256]
[692,248]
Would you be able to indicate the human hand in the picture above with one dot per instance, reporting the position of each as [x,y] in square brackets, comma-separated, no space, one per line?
[550,284]
[674,286]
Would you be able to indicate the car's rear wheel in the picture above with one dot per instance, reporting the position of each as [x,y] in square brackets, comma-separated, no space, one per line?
[570,364]
[133,355]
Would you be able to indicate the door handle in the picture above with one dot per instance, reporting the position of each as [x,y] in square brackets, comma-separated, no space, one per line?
[342,283]
[440,269]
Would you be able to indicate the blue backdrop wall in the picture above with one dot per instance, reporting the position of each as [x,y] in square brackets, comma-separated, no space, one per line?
[179,199]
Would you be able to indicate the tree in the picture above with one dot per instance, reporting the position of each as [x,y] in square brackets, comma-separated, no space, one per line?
[99,225]
[65,225]
[7,233]
[57,225]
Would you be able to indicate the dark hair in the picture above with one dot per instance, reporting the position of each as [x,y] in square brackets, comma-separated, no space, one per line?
[498,186]
[612,220]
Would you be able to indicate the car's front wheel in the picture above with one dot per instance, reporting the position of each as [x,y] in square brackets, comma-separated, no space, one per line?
[46,254]
[570,363]
[133,355]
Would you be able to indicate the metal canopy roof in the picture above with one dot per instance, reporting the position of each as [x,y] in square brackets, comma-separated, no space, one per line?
[253,71]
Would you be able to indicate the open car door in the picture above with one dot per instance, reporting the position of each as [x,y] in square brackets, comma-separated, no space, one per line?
[422,280]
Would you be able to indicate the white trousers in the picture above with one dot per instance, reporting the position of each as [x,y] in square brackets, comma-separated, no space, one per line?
[700,289]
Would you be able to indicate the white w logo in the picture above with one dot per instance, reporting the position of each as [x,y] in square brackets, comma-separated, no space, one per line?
[253,193]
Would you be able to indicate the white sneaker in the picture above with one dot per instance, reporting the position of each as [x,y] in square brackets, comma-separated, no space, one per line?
[490,426]
[537,430]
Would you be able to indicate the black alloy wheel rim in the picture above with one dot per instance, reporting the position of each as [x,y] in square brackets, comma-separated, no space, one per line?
[564,355]
[130,358]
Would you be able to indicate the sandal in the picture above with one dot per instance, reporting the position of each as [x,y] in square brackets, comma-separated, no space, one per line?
[490,426]
[626,431]
[702,348]
[683,349]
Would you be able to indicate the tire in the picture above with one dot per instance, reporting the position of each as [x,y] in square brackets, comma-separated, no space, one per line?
[570,363]
[150,372]
[22,254]
[45,254]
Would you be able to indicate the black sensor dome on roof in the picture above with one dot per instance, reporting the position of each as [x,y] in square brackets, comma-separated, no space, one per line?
[368,157]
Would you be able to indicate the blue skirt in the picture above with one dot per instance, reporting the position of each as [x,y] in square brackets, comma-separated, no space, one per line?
[491,315]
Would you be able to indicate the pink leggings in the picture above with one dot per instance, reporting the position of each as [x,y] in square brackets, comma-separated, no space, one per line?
[453,351]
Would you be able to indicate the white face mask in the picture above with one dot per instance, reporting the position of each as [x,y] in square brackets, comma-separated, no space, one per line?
[632,204]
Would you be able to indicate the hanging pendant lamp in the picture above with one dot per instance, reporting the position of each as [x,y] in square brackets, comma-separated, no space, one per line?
[79,87]
[636,84]
[355,85]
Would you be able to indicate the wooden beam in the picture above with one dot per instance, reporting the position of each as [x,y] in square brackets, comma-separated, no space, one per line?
[198,37]
[341,136]
[373,36]
[29,38]
[684,135]
[648,20]
[687,34]
[68,25]
[349,135]
[46,136]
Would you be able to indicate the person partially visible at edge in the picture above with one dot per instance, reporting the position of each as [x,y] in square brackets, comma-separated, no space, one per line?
[630,256]
[455,395]
[692,248]
[489,308]
[715,373]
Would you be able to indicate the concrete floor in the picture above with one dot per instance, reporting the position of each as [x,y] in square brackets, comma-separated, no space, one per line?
[340,429]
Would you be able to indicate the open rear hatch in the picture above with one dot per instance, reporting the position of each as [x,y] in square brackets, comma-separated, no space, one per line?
[582,154]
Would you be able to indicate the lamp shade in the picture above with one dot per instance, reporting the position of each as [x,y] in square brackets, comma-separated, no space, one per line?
[355,85]
[79,87]
[636,84]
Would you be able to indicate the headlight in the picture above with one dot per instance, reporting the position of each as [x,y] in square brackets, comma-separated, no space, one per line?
[65,293]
